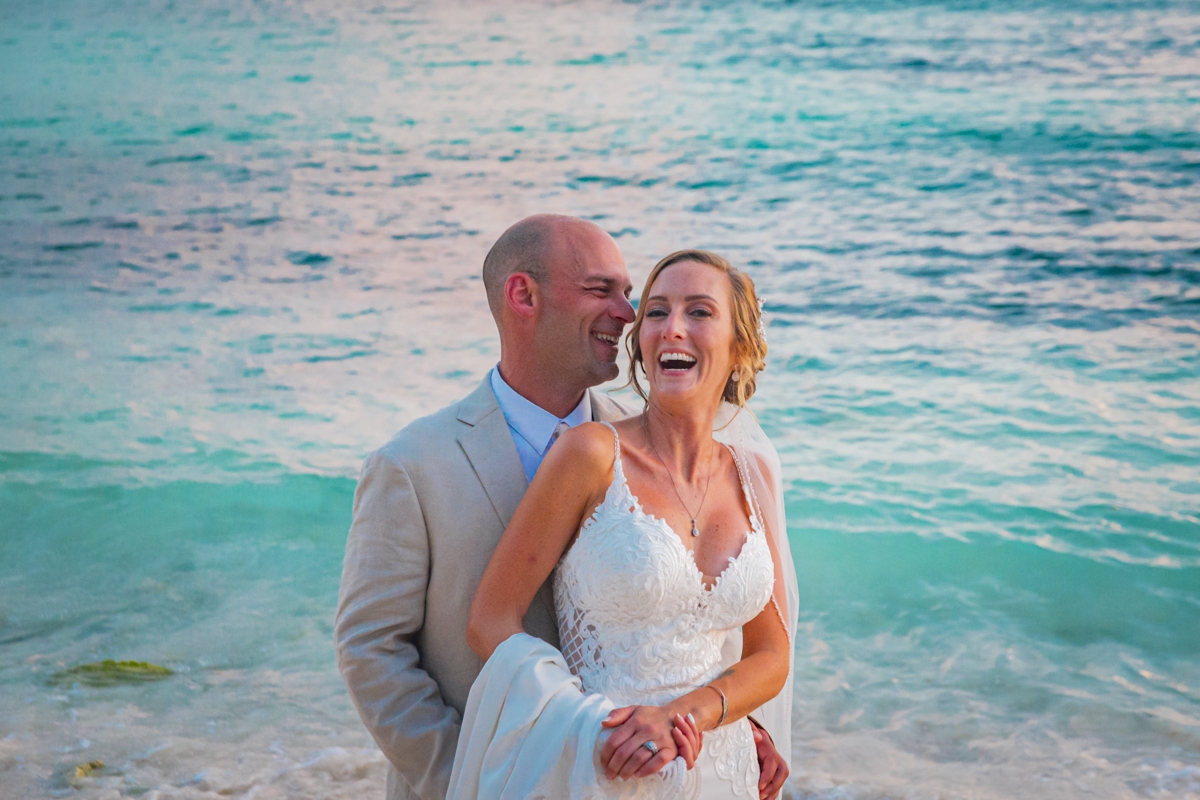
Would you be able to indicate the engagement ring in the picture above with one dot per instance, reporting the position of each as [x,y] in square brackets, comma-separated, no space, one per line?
[651,746]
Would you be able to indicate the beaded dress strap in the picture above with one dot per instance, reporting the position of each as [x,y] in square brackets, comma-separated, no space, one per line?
[618,473]
[747,489]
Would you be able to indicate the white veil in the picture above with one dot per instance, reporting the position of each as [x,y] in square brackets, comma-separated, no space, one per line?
[737,428]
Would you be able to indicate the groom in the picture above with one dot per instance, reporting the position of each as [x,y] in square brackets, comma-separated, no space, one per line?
[432,503]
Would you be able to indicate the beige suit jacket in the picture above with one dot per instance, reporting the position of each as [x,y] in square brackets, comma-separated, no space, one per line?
[429,510]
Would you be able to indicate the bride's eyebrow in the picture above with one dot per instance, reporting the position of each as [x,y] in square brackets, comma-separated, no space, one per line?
[687,299]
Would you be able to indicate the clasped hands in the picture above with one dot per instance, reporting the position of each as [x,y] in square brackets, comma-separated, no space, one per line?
[625,755]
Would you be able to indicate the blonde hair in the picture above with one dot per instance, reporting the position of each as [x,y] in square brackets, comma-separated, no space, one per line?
[749,342]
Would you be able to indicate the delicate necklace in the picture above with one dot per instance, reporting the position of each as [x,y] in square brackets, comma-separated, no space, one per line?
[695,530]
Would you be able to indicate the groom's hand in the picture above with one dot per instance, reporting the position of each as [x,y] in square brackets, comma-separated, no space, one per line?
[772,769]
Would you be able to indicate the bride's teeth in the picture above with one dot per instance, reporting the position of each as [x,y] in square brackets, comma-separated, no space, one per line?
[665,357]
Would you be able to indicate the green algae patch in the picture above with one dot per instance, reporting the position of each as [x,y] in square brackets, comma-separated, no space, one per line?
[112,673]
[77,777]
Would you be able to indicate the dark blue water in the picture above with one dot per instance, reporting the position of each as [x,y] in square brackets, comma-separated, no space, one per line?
[240,246]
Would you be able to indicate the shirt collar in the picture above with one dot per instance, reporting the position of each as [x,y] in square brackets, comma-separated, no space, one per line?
[535,424]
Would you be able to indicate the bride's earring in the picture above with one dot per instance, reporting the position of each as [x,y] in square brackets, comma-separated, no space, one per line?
[735,377]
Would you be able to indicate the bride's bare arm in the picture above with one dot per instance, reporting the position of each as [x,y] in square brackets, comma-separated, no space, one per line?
[571,482]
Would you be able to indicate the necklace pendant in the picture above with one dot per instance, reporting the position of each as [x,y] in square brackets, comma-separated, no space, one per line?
[695,531]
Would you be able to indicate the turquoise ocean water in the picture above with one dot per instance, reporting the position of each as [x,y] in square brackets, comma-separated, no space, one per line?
[239,248]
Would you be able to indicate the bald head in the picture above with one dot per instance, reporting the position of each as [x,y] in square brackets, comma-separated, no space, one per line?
[535,246]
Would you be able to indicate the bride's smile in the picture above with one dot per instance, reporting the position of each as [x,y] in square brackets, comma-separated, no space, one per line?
[687,335]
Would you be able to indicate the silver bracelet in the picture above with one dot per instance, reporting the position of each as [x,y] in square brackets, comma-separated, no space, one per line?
[724,705]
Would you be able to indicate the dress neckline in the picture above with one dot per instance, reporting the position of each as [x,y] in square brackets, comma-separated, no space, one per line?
[664,527]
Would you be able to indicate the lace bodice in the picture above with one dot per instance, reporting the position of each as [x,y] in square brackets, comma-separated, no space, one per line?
[636,621]
[638,624]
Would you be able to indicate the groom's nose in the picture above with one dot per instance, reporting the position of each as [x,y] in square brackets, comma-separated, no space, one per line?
[624,310]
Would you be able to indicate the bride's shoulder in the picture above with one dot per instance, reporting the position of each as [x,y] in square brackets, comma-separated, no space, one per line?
[588,439]
[589,444]
[581,458]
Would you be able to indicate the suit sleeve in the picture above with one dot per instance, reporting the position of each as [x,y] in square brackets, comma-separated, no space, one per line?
[381,607]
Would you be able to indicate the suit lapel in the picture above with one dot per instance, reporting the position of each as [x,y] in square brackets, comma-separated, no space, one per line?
[488,445]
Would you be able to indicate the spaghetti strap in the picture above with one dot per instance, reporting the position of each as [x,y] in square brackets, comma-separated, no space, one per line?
[618,473]
[747,490]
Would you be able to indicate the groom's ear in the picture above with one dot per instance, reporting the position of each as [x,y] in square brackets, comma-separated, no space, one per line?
[521,294]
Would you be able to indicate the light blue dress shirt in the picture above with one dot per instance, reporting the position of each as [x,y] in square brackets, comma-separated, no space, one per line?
[531,425]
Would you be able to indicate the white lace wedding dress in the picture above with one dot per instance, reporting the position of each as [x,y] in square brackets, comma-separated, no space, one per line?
[639,625]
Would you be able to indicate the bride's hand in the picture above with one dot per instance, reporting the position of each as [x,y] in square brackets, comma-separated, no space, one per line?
[688,739]
[624,754]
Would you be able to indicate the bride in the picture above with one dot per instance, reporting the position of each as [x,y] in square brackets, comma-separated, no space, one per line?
[665,537]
